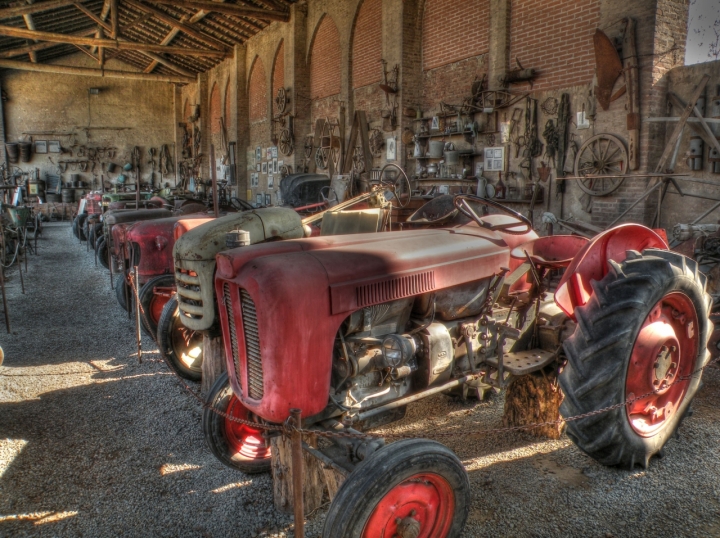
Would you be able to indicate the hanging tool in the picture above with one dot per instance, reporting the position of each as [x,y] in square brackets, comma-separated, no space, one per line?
[608,68]
[632,83]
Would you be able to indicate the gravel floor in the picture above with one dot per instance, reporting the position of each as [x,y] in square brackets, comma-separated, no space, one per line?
[94,444]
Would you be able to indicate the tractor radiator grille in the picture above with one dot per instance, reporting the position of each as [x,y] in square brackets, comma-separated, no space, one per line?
[252,346]
[227,301]
[396,288]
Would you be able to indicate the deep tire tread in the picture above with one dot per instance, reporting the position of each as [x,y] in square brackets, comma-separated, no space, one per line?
[599,350]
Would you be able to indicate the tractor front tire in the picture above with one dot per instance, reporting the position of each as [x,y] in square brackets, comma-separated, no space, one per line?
[123,299]
[102,253]
[182,348]
[641,339]
[415,487]
[153,304]
[237,445]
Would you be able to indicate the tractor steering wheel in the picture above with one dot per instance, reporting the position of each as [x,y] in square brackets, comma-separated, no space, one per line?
[461,203]
[398,187]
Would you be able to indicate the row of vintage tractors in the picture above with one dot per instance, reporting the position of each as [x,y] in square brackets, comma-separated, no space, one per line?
[352,314]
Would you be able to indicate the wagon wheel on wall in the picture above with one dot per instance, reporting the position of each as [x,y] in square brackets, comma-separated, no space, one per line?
[601,155]
[329,146]
[377,141]
[281,100]
[358,160]
[308,146]
[285,143]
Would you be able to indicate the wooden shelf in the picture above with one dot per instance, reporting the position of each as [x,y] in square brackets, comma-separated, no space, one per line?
[441,179]
[440,135]
[461,155]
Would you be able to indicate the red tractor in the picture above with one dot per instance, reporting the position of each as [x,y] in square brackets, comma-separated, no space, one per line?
[351,329]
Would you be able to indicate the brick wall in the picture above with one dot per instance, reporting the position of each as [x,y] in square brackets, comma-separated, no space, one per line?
[367,45]
[454,30]
[555,37]
[257,92]
[278,79]
[451,83]
[325,60]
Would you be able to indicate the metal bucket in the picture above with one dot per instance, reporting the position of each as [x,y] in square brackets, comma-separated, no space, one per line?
[452,157]
[436,149]
[75,180]
[25,151]
[68,196]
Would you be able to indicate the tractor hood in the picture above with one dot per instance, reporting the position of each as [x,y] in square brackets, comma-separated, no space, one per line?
[205,241]
[117,216]
[298,293]
[154,239]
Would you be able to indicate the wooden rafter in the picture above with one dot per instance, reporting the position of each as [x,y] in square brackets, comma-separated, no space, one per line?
[114,19]
[94,18]
[171,35]
[39,7]
[109,43]
[175,23]
[230,9]
[30,26]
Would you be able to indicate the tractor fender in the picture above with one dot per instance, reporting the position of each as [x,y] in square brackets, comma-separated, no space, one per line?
[591,263]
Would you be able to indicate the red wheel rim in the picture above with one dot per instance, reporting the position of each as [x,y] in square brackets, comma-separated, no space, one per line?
[422,505]
[244,441]
[665,350]
[157,303]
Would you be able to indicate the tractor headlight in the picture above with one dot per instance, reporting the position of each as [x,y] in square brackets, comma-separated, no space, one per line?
[397,350]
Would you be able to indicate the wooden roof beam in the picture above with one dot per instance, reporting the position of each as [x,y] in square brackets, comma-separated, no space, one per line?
[230,9]
[175,23]
[172,33]
[29,9]
[87,71]
[30,26]
[94,18]
[39,46]
[109,43]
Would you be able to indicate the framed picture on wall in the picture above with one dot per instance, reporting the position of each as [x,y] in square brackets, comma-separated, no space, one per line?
[254,179]
[257,168]
[259,198]
[275,165]
[268,199]
[435,124]
[268,153]
[271,182]
[391,149]
[258,154]
[41,146]
[274,151]
[495,159]
[264,167]
[53,146]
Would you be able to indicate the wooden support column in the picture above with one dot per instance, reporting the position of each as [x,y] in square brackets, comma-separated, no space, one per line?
[499,50]
[113,19]
[213,363]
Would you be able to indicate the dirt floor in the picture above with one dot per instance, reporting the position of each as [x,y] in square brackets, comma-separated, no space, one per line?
[94,444]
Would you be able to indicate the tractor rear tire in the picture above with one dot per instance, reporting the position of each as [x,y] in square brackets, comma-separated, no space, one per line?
[417,484]
[153,304]
[642,334]
[238,446]
[179,346]
[120,286]
[74,227]
[103,254]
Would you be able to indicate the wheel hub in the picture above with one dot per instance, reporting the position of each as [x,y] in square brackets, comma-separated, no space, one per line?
[664,350]
[408,527]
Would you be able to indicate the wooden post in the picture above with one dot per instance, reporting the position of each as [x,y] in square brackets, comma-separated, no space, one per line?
[313,479]
[213,362]
[534,398]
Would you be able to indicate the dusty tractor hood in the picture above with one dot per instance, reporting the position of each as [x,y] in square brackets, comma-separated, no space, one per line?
[205,241]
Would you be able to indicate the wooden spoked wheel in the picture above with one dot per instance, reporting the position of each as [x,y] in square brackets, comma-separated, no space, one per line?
[281,100]
[358,160]
[308,147]
[285,143]
[601,155]
[329,146]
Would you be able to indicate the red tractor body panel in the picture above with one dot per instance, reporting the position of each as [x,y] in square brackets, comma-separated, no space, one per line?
[155,239]
[307,287]
[591,263]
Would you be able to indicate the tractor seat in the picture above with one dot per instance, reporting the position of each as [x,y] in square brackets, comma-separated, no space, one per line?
[553,252]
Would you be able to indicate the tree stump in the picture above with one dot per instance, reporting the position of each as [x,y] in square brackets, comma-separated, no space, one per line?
[213,362]
[313,475]
[531,399]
